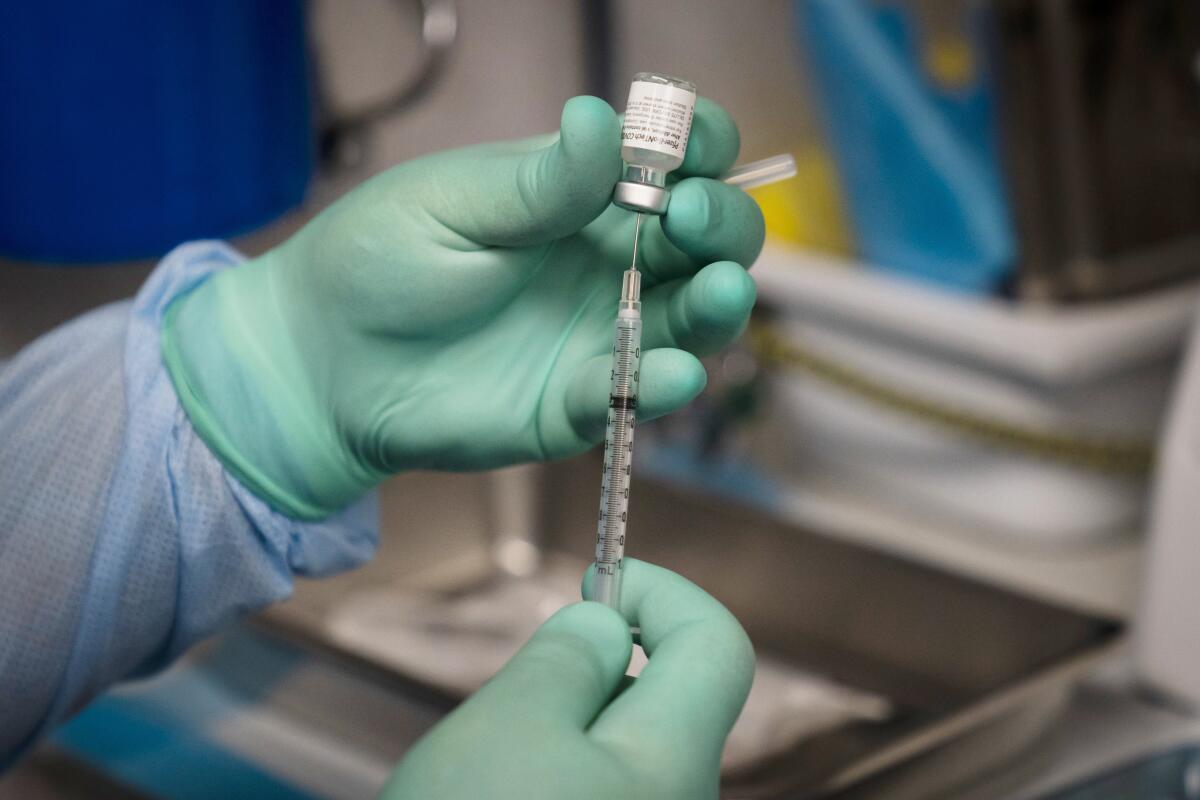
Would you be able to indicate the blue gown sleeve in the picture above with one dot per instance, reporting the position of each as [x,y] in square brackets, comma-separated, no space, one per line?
[122,538]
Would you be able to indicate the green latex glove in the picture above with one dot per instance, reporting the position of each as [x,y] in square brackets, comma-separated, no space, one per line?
[554,723]
[456,312]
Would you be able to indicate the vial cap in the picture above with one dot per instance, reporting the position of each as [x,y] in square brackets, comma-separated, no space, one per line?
[642,197]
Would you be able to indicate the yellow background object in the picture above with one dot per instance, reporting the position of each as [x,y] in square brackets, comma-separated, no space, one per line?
[950,61]
[807,210]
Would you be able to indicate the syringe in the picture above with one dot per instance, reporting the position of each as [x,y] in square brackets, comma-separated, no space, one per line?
[618,435]
[623,396]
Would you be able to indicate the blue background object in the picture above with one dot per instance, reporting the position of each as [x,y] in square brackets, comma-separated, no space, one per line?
[130,126]
[919,164]
[168,737]
[165,760]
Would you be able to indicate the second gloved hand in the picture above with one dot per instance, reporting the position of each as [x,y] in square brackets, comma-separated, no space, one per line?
[554,723]
[455,312]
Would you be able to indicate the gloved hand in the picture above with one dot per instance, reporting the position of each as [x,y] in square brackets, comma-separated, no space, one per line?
[456,312]
[554,723]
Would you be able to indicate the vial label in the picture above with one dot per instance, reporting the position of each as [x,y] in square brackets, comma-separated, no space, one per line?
[658,117]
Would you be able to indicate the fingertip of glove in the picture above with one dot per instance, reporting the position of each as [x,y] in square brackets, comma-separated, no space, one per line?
[681,369]
[707,218]
[693,209]
[725,291]
[714,141]
[587,123]
[586,161]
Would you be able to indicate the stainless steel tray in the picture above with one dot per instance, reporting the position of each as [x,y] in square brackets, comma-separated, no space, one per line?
[952,655]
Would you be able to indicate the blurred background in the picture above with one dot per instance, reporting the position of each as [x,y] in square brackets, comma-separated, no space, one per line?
[944,478]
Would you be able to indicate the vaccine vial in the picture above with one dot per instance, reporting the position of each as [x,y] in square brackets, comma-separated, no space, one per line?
[654,137]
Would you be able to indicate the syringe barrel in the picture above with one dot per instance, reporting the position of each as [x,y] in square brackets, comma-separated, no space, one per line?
[618,455]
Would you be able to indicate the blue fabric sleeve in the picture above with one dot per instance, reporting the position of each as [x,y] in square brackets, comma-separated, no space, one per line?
[122,538]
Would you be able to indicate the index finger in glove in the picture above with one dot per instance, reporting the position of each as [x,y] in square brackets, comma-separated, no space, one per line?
[682,706]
